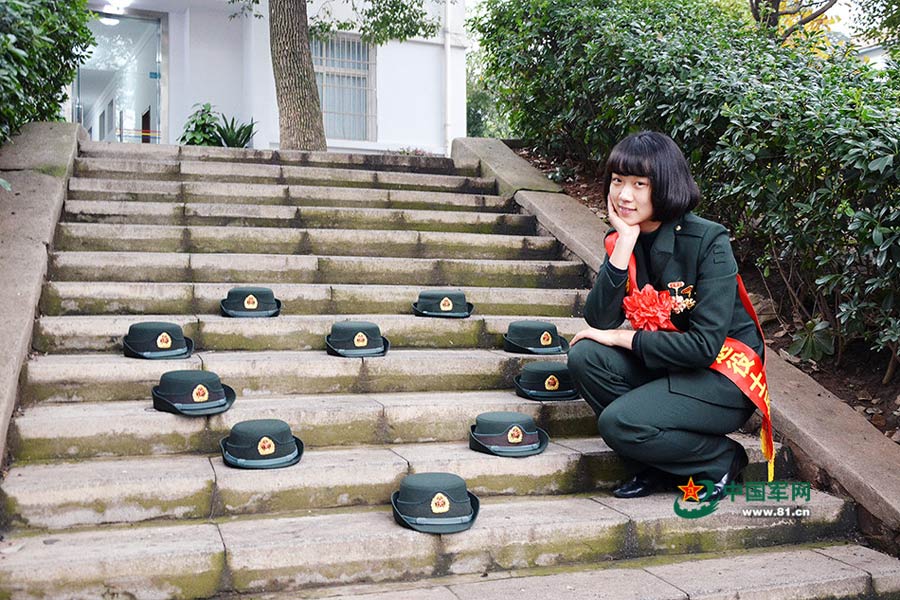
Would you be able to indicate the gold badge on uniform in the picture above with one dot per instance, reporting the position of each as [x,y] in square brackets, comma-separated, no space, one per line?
[250,302]
[546,339]
[200,393]
[360,341]
[164,341]
[515,435]
[446,304]
[440,503]
[265,446]
[551,384]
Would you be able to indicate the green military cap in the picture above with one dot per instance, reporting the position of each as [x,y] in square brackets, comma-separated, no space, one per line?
[443,303]
[261,444]
[434,503]
[250,302]
[156,340]
[507,434]
[192,393]
[355,339]
[534,337]
[545,381]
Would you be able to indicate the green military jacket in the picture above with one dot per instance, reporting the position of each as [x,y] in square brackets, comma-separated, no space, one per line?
[692,258]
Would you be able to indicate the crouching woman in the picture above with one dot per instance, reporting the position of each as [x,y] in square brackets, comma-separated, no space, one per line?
[667,392]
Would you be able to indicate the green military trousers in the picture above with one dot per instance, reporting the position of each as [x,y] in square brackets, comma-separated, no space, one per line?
[649,425]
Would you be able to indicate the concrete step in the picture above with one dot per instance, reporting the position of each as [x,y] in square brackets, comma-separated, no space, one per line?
[86,237]
[257,268]
[227,172]
[129,490]
[109,377]
[133,428]
[96,189]
[264,215]
[122,298]
[286,332]
[379,162]
[792,572]
[358,545]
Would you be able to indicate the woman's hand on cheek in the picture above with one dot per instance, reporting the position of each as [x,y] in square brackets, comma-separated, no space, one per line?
[624,229]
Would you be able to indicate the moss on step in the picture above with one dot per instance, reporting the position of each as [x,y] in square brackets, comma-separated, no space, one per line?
[286,499]
[37,449]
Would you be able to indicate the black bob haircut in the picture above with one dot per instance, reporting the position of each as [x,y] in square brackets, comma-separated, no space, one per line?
[655,156]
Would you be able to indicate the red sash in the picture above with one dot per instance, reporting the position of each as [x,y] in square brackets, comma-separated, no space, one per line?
[736,361]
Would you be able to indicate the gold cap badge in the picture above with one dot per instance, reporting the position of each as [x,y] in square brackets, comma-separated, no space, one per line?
[250,302]
[200,393]
[551,384]
[546,339]
[440,503]
[164,341]
[515,435]
[446,304]
[360,341]
[265,446]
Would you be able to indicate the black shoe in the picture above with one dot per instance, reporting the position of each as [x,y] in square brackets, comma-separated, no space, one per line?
[738,463]
[643,484]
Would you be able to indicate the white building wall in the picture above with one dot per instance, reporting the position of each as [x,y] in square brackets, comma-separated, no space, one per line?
[228,63]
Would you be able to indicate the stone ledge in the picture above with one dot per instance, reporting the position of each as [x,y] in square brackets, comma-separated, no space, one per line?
[36,163]
[512,172]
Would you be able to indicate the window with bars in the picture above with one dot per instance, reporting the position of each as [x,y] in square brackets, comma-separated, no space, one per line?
[346,80]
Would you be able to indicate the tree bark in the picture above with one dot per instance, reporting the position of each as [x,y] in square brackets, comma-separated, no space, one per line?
[299,114]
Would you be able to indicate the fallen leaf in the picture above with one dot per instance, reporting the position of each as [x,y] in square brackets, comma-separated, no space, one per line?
[878,421]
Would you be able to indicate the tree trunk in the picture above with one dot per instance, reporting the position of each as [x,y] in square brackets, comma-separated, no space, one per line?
[299,114]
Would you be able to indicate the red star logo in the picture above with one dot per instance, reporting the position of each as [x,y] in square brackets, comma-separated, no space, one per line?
[690,490]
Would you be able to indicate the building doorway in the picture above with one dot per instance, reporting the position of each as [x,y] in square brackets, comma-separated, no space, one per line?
[118,89]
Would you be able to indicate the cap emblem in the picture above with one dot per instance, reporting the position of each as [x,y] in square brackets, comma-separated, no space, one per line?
[250,302]
[360,341]
[546,339]
[551,384]
[265,446]
[515,435]
[440,504]
[164,341]
[200,393]
[446,304]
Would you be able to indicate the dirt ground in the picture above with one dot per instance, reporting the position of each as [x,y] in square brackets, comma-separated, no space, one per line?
[857,380]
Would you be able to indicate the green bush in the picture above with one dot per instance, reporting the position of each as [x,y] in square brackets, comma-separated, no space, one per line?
[794,147]
[42,42]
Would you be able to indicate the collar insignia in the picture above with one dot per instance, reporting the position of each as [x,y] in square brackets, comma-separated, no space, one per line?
[440,504]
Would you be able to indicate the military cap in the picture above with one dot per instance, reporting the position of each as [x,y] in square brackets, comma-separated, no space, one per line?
[545,381]
[434,503]
[192,393]
[261,444]
[507,434]
[250,302]
[442,303]
[534,337]
[354,339]
[156,340]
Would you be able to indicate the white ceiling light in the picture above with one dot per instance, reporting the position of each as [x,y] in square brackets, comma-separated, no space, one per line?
[121,3]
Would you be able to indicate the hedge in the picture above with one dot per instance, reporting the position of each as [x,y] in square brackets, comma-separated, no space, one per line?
[794,147]
[42,42]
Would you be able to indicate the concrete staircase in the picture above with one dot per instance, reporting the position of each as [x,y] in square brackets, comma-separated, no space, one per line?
[108,498]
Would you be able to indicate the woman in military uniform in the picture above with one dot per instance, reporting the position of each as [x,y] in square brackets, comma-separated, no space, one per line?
[660,405]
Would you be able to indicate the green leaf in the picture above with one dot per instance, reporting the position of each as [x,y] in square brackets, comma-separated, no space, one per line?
[880,164]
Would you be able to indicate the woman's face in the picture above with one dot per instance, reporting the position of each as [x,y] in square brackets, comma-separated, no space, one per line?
[631,196]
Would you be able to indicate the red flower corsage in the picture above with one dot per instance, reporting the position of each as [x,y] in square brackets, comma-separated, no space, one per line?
[649,309]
